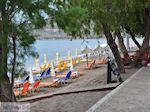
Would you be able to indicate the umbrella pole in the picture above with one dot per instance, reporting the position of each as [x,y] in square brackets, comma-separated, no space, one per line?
[53,78]
[87,59]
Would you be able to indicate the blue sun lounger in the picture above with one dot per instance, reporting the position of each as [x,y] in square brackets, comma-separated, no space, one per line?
[65,80]
[22,81]
[39,77]
[47,73]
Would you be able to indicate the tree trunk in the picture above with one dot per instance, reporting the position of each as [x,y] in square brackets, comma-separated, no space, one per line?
[5,90]
[145,44]
[133,38]
[114,48]
[146,17]
[14,64]
[5,87]
[121,42]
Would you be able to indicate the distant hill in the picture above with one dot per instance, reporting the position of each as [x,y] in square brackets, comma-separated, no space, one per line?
[52,33]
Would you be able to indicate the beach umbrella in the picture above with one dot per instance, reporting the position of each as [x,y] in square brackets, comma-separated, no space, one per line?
[31,80]
[71,65]
[52,70]
[99,49]
[87,50]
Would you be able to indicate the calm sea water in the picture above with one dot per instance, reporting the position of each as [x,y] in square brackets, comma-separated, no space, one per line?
[51,47]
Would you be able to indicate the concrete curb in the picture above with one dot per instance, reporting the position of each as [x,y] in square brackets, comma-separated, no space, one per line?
[100,88]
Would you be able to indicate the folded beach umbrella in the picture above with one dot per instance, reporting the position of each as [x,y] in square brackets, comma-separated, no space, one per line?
[31,80]
[71,65]
[52,70]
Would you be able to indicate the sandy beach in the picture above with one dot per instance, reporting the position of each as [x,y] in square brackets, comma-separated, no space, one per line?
[79,102]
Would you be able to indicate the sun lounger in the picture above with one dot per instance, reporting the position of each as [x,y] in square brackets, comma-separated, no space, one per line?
[35,87]
[103,61]
[32,88]
[43,67]
[16,85]
[65,66]
[66,79]
[73,75]
[19,83]
[74,61]
[92,65]
[50,84]
[48,72]
[84,60]
[59,68]
[79,60]
[24,91]
[39,77]
[48,66]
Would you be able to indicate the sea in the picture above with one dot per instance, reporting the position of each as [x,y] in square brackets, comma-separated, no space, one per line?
[51,47]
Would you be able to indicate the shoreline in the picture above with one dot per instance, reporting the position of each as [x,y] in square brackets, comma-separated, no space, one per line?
[67,38]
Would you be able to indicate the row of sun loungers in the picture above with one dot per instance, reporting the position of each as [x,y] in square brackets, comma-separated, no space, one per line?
[27,90]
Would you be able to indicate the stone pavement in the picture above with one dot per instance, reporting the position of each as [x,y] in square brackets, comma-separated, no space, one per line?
[133,95]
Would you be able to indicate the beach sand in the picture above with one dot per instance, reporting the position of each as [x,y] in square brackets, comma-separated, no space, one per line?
[79,102]
[68,103]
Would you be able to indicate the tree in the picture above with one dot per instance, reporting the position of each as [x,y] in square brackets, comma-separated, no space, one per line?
[131,16]
[136,21]
[93,16]
[24,15]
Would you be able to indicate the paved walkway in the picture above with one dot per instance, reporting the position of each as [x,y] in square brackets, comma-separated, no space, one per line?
[131,96]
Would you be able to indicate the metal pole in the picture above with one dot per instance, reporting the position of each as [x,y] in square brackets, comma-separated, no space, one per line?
[108,72]
[87,58]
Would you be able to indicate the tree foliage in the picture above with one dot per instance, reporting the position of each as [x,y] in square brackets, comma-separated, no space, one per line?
[18,18]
